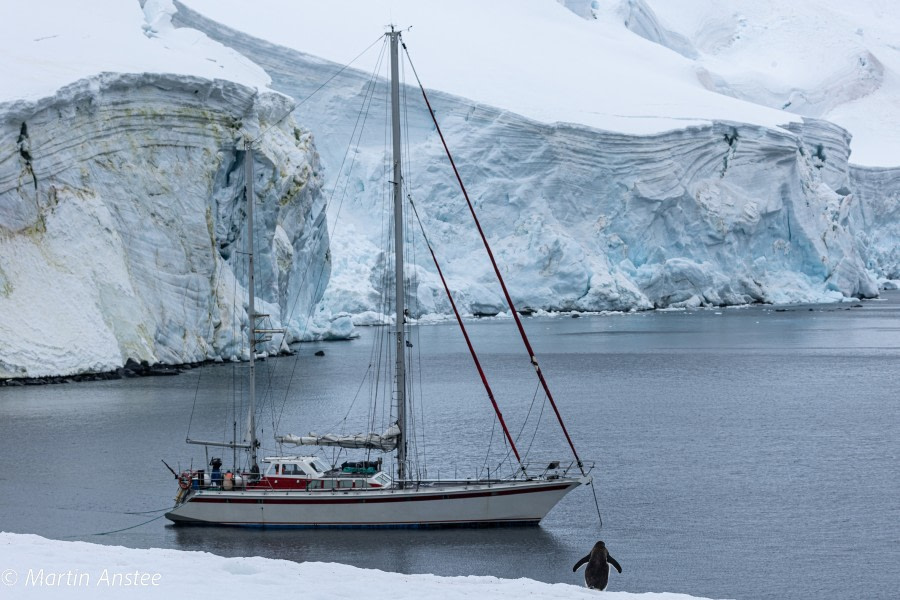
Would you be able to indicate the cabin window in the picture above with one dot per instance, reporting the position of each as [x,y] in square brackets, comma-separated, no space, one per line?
[317,466]
[346,483]
[322,484]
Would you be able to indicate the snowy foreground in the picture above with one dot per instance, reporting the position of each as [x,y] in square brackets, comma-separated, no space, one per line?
[34,567]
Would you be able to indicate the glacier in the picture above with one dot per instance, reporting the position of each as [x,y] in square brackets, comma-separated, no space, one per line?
[122,223]
[664,178]
[582,218]
[876,220]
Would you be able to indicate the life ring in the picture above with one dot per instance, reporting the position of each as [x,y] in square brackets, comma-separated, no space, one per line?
[184,482]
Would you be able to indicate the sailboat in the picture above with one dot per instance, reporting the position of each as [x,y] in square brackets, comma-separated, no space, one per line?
[304,491]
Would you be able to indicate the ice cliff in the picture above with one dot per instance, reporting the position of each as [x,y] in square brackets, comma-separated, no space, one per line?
[876,219]
[122,222]
[582,218]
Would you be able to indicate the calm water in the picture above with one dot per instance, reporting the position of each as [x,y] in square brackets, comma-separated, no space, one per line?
[743,453]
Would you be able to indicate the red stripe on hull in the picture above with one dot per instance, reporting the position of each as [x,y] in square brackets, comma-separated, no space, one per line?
[372,500]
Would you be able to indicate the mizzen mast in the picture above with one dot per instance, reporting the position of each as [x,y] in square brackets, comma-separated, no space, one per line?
[252,316]
[248,186]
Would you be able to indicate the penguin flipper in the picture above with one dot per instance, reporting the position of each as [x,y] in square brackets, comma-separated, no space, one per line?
[581,562]
[614,563]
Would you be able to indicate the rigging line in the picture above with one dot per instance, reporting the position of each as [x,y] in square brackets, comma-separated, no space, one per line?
[194,405]
[250,186]
[413,400]
[358,390]
[357,133]
[524,423]
[375,378]
[422,405]
[241,270]
[490,443]
[375,351]
[361,116]
[375,354]
[147,512]
[465,333]
[236,393]
[357,130]
[536,426]
[69,537]
[383,385]
[219,264]
[270,367]
[528,414]
[267,397]
[369,376]
[596,503]
[215,286]
[534,362]
[316,91]
[381,304]
[407,183]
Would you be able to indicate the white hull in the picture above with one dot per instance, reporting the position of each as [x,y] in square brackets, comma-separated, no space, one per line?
[440,504]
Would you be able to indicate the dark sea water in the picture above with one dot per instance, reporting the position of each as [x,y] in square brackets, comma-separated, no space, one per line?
[742,453]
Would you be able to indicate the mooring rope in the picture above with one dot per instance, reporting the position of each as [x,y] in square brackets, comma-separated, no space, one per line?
[69,537]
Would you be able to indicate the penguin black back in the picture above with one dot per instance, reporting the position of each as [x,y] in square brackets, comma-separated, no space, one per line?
[596,575]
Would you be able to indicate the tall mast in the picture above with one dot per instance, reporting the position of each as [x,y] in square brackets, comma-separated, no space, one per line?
[248,186]
[398,258]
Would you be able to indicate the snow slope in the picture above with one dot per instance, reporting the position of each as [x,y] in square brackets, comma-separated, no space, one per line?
[832,59]
[837,60]
[36,567]
[531,57]
[48,44]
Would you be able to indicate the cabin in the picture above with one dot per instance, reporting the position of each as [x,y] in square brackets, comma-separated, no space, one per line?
[310,473]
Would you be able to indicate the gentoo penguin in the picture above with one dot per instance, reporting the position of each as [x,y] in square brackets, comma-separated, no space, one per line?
[596,576]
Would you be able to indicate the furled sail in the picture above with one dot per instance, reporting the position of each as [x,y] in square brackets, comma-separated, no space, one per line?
[386,441]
